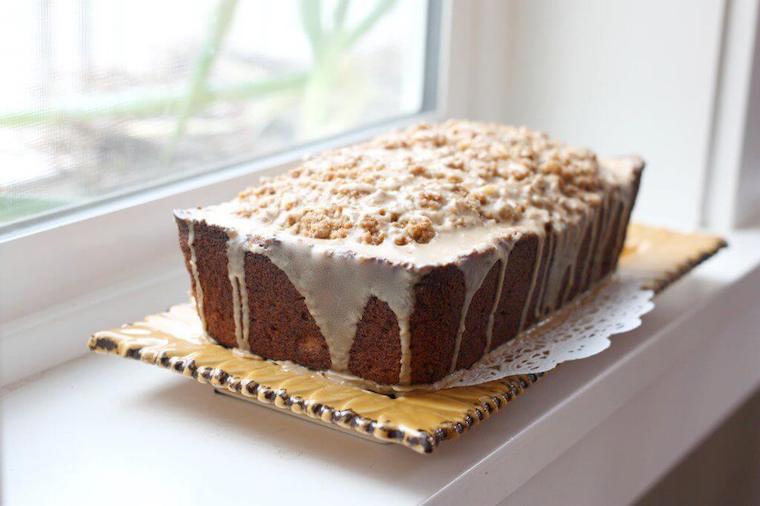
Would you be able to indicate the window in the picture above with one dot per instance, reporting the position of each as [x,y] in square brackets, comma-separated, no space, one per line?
[102,99]
[112,97]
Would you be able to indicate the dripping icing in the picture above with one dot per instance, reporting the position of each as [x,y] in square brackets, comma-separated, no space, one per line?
[475,271]
[542,238]
[236,275]
[550,238]
[609,219]
[580,232]
[336,287]
[595,224]
[565,255]
[627,209]
[194,269]
[496,300]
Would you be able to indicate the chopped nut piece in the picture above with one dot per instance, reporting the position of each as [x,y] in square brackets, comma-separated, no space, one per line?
[430,200]
[419,170]
[509,212]
[420,229]
[489,190]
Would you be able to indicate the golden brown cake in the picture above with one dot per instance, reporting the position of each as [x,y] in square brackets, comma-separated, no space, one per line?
[408,257]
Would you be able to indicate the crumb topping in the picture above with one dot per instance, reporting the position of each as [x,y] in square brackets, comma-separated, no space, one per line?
[409,185]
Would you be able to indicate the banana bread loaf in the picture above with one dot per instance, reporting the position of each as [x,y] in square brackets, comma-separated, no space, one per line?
[408,257]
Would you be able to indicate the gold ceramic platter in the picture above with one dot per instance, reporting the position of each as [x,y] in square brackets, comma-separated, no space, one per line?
[419,420]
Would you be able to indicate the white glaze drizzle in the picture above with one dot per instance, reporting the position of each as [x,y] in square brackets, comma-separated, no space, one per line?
[553,281]
[618,213]
[620,170]
[551,243]
[336,287]
[405,338]
[504,258]
[627,209]
[580,231]
[194,269]
[595,224]
[475,271]
[596,266]
[542,239]
[565,257]
[236,275]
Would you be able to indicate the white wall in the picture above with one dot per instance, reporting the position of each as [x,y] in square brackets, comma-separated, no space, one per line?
[617,76]
[748,202]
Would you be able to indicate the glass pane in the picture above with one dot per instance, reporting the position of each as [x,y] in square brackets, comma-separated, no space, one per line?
[102,97]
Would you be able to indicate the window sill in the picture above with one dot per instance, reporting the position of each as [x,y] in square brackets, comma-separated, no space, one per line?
[641,405]
[113,262]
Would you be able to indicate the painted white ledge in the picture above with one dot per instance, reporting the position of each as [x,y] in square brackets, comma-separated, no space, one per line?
[104,430]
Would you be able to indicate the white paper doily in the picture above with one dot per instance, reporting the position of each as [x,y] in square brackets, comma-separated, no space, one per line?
[581,330]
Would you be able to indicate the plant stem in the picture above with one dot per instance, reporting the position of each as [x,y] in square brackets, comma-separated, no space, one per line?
[381,9]
[311,21]
[219,28]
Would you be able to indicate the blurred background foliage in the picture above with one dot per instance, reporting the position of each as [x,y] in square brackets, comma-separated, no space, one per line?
[215,101]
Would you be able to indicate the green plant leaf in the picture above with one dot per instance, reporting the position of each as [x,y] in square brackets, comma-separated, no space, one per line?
[220,25]
[311,20]
[380,9]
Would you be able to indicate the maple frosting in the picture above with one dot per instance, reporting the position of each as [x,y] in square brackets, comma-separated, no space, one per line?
[409,186]
[370,220]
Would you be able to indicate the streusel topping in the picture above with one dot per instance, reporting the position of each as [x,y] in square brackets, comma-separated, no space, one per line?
[410,185]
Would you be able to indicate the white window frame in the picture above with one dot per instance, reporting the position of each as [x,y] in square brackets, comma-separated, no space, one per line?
[79,271]
[480,49]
